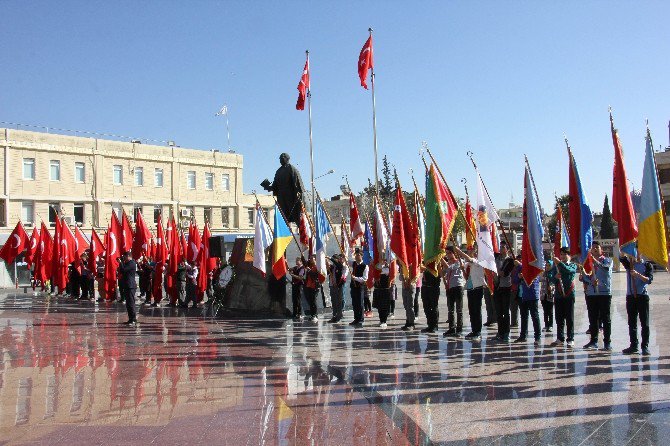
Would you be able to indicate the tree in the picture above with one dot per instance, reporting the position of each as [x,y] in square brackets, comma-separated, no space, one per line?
[606,222]
[562,201]
[386,188]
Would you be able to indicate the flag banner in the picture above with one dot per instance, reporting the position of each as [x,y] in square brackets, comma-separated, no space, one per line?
[355,224]
[32,246]
[43,264]
[127,241]
[532,257]
[322,230]
[561,238]
[160,257]
[175,257]
[204,265]
[365,62]
[304,228]
[368,245]
[97,248]
[403,235]
[142,237]
[15,244]
[420,222]
[193,243]
[470,229]
[651,238]
[282,238]
[113,252]
[485,220]
[441,211]
[303,87]
[622,205]
[262,240]
[581,218]
[346,241]
[81,243]
[381,238]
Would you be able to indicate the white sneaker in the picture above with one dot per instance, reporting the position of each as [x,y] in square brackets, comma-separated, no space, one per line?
[392,316]
[315,319]
[570,344]
[382,325]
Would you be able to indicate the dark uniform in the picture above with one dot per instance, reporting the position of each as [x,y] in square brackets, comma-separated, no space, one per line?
[128,286]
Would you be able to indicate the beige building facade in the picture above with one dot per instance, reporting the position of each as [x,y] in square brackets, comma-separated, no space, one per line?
[86,179]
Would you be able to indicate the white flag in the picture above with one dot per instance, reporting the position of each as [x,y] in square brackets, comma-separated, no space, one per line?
[262,240]
[485,215]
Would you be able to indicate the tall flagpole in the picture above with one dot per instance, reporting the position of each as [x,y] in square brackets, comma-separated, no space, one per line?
[374,115]
[311,145]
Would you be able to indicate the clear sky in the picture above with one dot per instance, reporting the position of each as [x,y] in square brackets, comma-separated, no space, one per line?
[498,78]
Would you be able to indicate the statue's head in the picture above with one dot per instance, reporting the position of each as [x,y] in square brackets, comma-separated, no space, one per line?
[284,158]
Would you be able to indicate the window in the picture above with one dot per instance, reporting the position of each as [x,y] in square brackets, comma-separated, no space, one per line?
[225,182]
[3,209]
[209,181]
[250,216]
[190,179]
[79,214]
[139,176]
[225,217]
[79,172]
[118,210]
[158,177]
[28,168]
[208,215]
[28,212]
[158,209]
[118,175]
[54,210]
[54,170]
[137,209]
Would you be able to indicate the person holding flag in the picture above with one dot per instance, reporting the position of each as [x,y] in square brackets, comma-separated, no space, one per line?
[359,278]
[564,280]
[598,297]
[639,274]
[297,282]
[475,285]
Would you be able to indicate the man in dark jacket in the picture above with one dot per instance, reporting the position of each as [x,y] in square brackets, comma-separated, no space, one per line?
[127,270]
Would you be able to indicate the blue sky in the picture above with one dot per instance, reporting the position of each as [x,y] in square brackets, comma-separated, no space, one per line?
[498,78]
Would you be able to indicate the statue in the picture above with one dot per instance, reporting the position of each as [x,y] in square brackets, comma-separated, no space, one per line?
[288,188]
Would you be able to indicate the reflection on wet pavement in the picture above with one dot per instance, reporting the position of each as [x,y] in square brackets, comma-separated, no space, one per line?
[71,373]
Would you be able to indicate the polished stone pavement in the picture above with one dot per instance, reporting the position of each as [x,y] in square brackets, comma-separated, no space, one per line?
[70,373]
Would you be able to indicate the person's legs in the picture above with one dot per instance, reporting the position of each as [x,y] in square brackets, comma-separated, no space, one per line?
[311,300]
[417,291]
[535,317]
[182,293]
[570,319]
[491,316]
[524,309]
[458,295]
[592,312]
[295,298]
[451,303]
[605,317]
[631,309]
[366,299]
[475,313]
[130,303]
[383,304]
[643,312]
[514,309]
[408,304]
[560,318]
[505,295]
[357,303]
[335,299]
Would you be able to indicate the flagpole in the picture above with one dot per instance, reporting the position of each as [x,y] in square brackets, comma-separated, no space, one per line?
[311,145]
[530,171]
[339,245]
[227,128]
[374,117]
[660,192]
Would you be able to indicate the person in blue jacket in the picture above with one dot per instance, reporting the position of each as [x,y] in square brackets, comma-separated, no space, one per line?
[598,297]
[639,274]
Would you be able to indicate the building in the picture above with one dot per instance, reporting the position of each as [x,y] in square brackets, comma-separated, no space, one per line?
[86,179]
[663,167]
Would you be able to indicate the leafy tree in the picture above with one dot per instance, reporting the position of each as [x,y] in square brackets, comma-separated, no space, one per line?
[563,202]
[606,222]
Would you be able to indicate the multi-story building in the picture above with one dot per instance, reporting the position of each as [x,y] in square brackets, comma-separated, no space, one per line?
[86,179]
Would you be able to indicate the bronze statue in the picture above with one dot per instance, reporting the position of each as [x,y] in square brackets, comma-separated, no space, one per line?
[288,188]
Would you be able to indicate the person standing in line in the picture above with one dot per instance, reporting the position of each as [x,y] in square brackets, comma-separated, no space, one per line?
[490,308]
[516,293]
[359,278]
[383,294]
[182,268]
[530,296]
[312,287]
[191,285]
[503,291]
[599,298]
[408,289]
[336,280]
[565,299]
[297,281]
[127,270]
[417,293]
[547,295]
[455,281]
[639,274]
[475,284]
[85,276]
[430,294]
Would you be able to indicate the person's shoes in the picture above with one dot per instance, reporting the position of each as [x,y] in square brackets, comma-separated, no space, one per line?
[591,346]
[458,335]
[428,330]
[645,351]
[607,347]
[331,320]
[556,343]
[489,324]
[514,326]
[536,342]
[519,340]
[314,319]
[155,304]
[469,336]
[383,325]
[474,338]
[392,316]
[354,322]
[129,322]
[549,329]
[630,350]
[407,327]
[450,332]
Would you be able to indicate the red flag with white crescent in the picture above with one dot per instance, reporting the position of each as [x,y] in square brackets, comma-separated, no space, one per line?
[15,244]
[81,244]
[33,245]
[97,248]
[113,252]
[365,62]
[355,224]
[303,87]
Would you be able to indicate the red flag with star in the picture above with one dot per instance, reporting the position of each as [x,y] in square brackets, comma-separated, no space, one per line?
[365,62]
[303,87]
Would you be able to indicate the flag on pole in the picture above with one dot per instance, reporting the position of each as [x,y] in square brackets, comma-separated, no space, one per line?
[15,244]
[622,205]
[440,217]
[193,243]
[380,236]
[304,228]
[113,248]
[355,224]
[484,226]
[580,216]
[32,247]
[532,258]
[303,87]
[651,238]
[322,230]
[282,238]
[420,222]
[204,265]
[470,230]
[43,256]
[127,242]
[174,247]
[346,241]
[368,244]
[262,240]
[97,248]
[403,235]
[561,238]
[142,237]
[58,280]
[160,256]
[81,244]
[365,62]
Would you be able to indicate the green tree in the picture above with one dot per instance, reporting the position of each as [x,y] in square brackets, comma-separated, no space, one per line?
[606,223]
[563,202]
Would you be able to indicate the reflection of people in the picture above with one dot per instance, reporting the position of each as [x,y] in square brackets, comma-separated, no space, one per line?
[287,187]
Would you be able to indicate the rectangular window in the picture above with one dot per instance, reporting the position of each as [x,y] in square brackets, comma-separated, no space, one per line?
[225,182]
[225,217]
[250,216]
[118,175]
[79,172]
[158,209]
[54,170]
[158,177]
[54,210]
[3,209]
[28,168]
[139,176]
[208,215]
[209,181]
[79,214]
[190,179]
[28,212]
[118,210]
[137,209]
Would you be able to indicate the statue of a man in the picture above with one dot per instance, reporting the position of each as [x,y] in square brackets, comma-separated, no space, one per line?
[288,188]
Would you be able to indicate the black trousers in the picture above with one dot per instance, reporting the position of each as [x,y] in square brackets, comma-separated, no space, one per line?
[530,307]
[296,297]
[417,292]
[366,298]
[337,301]
[598,308]
[129,295]
[310,295]
[357,302]
[514,308]
[84,288]
[638,307]
[455,299]
[548,313]
[429,298]
[565,318]
[475,297]
[383,301]
[501,298]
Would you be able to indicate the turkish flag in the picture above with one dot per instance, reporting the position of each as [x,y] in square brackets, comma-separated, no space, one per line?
[97,248]
[81,244]
[33,245]
[303,87]
[182,241]
[127,242]
[354,220]
[304,228]
[173,262]
[43,255]
[15,244]
[55,256]
[142,237]
[113,248]
[204,264]
[68,246]
[160,258]
[365,62]
[193,243]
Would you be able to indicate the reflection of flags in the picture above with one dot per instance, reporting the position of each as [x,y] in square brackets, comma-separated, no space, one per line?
[622,205]
[651,239]
[15,244]
[365,62]
[262,240]
[322,231]
[532,258]
[303,87]
[581,234]
[440,216]
[282,238]
[486,218]
[354,219]
[561,236]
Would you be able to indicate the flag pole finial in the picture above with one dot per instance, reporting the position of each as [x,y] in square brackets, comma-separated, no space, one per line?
[370,30]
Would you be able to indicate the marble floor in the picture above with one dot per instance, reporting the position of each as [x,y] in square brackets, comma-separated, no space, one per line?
[71,373]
